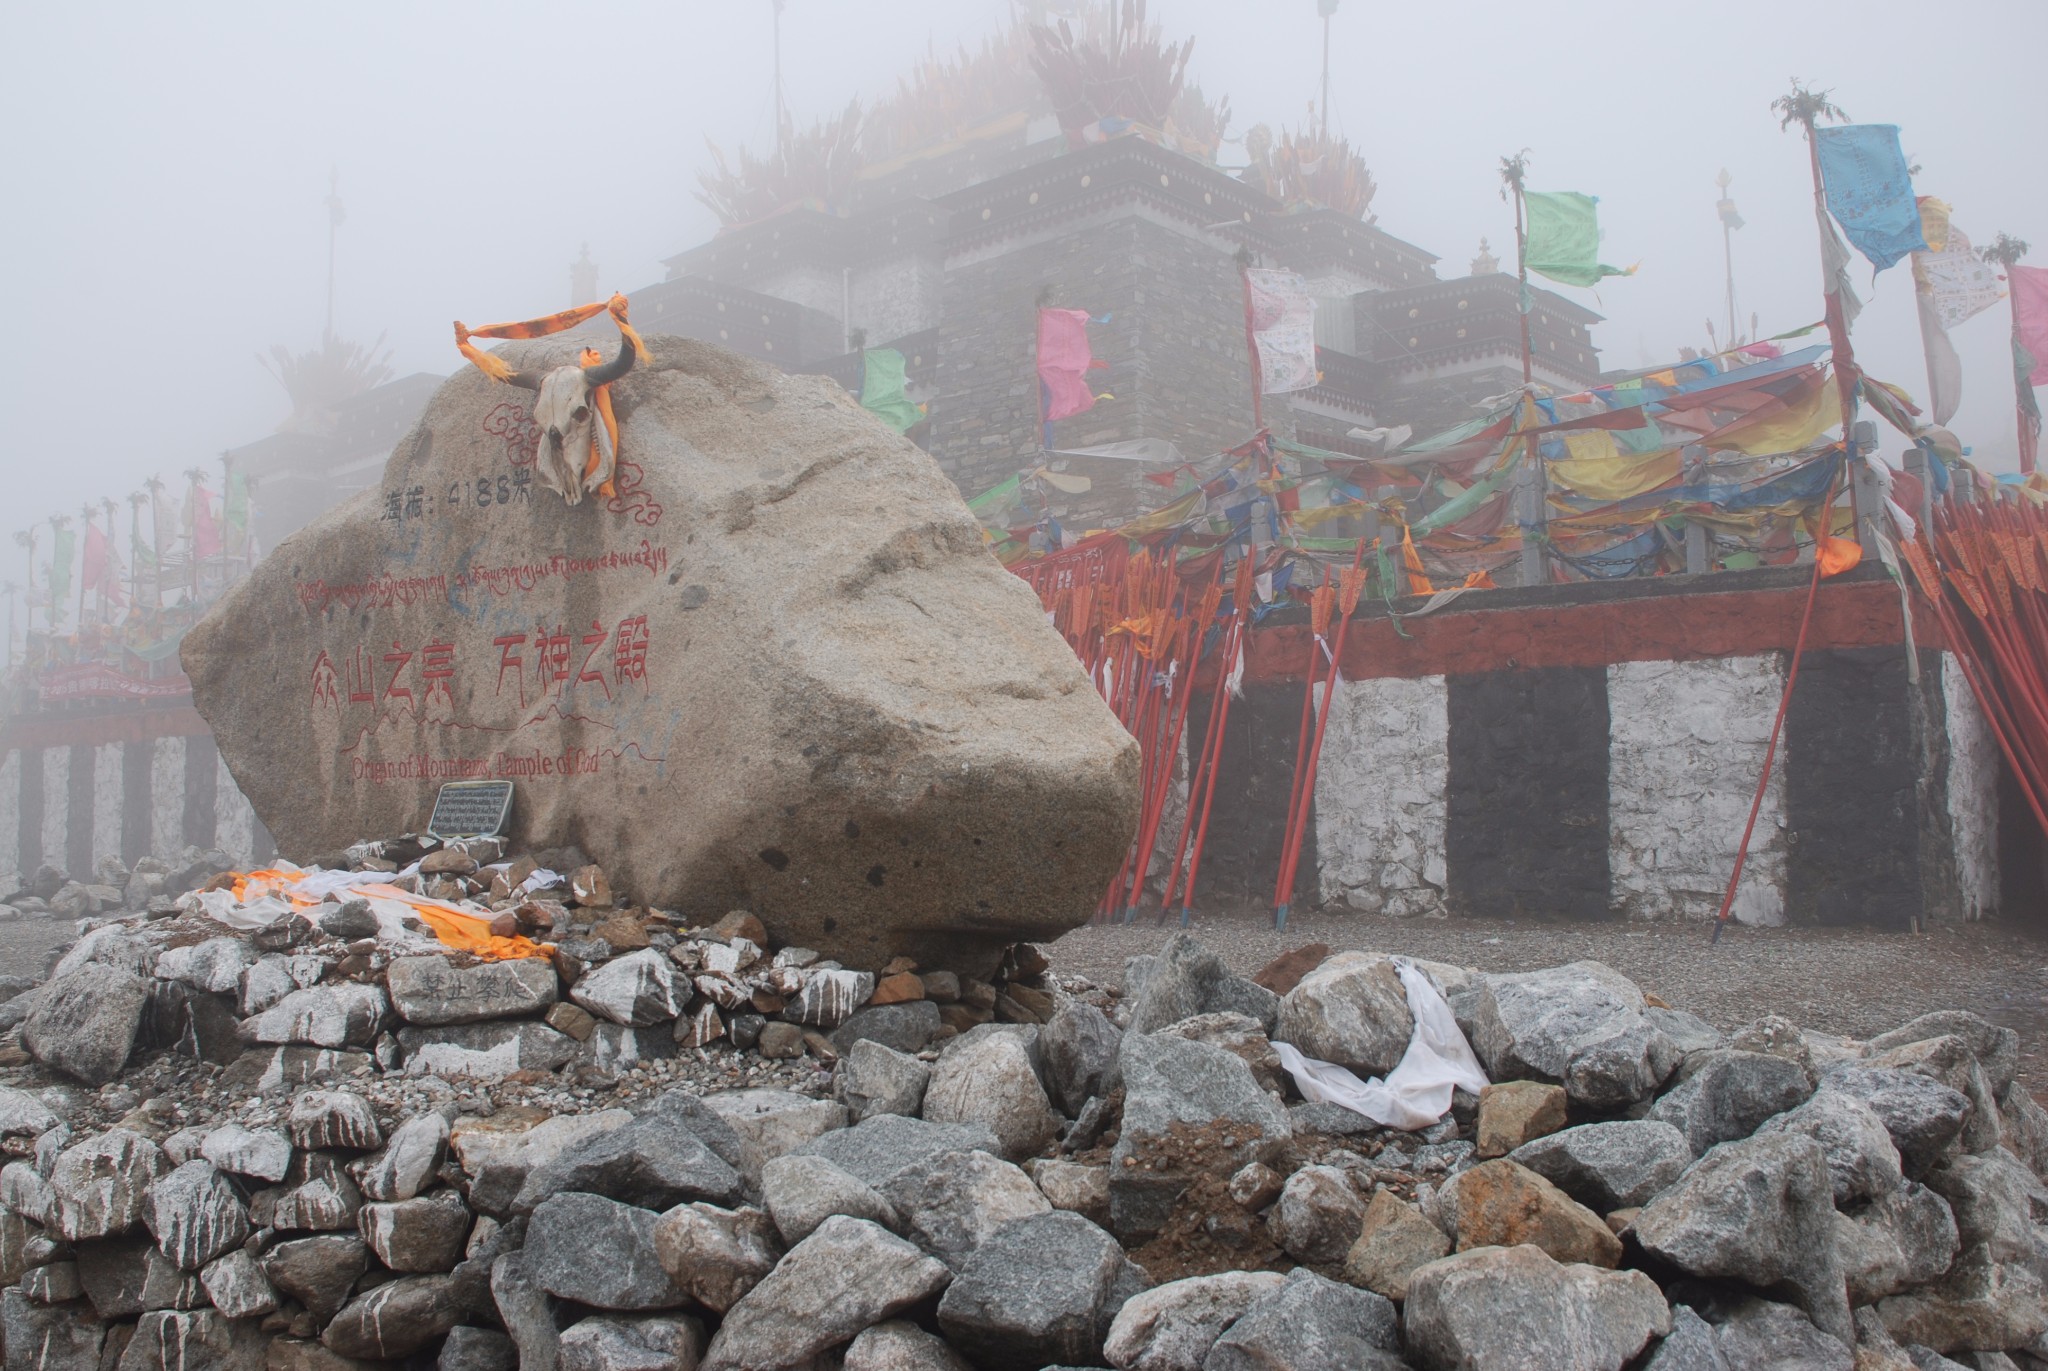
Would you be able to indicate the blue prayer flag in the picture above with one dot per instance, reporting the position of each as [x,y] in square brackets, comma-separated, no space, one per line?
[1870,191]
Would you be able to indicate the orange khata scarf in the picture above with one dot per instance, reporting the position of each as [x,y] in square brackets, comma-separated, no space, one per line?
[498,370]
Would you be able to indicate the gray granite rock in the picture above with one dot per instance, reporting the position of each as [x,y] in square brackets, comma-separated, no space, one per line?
[716,1255]
[953,1202]
[408,1162]
[901,1346]
[877,1079]
[1996,1049]
[845,1277]
[877,1148]
[1609,1166]
[641,988]
[1508,1307]
[50,1338]
[1862,1161]
[498,1162]
[527,1313]
[1174,1326]
[598,1252]
[1893,1241]
[112,1272]
[1351,1010]
[653,1162]
[773,1122]
[1309,1323]
[99,1188]
[802,1192]
[22,1115]
[485,1051]
[214,966]
[1980,1303]
[1177,984]
[237,1286]
[395,1319]
[262,1154]
[1584,1026]
[1691,1345]
[318,1272]
[1318,1216]
[191,1340]
[420,1235]
[1080,1047]
[1923,1116]
[906,1027]
[1036,1291]
[1996,1200]
[322,1119]
[470,1348]
[1757,1332]
[84,1022]
[432,990]
[829,998]
[1760,1210]
[989,1079]
[333,1014]
[195,1215]
[660,1342]
[1729,1093]
[164,1286]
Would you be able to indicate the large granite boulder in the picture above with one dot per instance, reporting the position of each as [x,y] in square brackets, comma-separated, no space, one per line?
[776,670]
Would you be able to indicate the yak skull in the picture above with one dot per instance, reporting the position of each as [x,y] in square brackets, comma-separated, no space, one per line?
[563,410]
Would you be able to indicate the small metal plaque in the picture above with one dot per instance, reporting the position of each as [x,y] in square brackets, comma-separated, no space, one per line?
[471,809]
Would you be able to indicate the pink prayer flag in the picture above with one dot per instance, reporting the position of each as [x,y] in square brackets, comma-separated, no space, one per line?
[206,533]
[1064,361]
[2029,286]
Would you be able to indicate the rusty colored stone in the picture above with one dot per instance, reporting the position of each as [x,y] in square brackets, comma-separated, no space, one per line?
[739,924]
[897,989]
[1285,971]
[1515,1112]
[1504,1204]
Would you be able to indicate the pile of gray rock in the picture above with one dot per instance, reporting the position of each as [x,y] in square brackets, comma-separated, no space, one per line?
[1127,1179]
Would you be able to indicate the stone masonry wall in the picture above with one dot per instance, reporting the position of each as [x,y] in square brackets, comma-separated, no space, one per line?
[1686,743]
[126,801]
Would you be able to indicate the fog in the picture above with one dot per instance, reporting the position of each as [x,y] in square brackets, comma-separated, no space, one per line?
[168,170]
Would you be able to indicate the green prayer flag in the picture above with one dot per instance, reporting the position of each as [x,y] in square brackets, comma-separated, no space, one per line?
[1563,240]
[60,572]
[881,389]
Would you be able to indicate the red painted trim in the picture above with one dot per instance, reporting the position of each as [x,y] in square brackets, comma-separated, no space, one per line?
[69,730]
[1667,628]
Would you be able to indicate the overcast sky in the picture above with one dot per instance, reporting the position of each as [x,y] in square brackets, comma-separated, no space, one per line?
[167,167]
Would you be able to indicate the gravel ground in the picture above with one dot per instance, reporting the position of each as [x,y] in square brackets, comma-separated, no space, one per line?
[1847,981]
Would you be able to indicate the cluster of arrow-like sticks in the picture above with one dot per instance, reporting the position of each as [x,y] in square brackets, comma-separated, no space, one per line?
[1203,782]
[1169,723]
[1980,549]
[1148,643]
[1309,742]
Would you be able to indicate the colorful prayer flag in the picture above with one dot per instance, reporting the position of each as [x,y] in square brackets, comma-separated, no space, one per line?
[1562,240]
[206,539]
[2030,318]
[1282,320]
[1064,361]
[1843,302]
[62,547]
[1870,190]
[882,389]
[1951,284]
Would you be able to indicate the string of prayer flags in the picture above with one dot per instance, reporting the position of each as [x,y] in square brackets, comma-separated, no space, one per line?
[1870,190]
[1281,316]
[1563,238]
